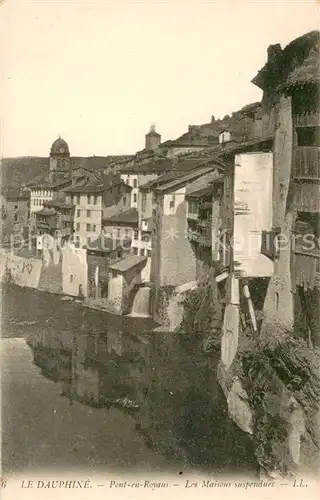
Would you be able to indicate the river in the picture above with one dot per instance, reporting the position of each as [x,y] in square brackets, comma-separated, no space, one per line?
[85,388]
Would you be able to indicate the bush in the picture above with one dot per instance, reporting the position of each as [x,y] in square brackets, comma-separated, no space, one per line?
[203,309]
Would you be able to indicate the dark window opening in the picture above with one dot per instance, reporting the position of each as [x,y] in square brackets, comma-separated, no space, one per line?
[307,231]
[308,136]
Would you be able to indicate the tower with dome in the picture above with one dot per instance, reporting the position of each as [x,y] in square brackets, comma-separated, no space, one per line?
[59,160]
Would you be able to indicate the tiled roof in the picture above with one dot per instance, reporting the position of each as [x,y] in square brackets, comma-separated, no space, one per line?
[197,193]
[49,185]
[15,194]
[153,165]
[257,145]
[105,182]
[46,211]
[183,178]
[130,216]
[59,204]
[127,263]
[88,188]
[91,163]
[177,170]
[284,62]
[308,72]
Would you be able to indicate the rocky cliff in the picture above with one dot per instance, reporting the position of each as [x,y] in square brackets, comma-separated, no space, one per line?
[272,386]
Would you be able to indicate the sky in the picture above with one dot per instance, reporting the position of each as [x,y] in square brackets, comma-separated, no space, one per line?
[99,73]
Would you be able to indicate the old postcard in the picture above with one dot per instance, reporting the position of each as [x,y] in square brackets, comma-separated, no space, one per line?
[160,249]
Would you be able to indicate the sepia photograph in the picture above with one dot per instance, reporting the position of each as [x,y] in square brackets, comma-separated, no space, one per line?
[160,249]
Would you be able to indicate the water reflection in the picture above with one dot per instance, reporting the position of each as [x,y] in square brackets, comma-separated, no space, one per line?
[168,386]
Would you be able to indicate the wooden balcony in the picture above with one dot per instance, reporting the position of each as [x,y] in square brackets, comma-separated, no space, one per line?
[308,120]
[268,243]
[201,235]
[192,215]
[306,268]
[306,163]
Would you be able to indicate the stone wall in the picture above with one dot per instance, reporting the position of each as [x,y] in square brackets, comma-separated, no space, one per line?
[74,270]
[178,262]
[20,271]
[43,274]
[278,306]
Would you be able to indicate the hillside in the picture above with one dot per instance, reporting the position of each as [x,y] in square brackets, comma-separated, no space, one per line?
[15,172]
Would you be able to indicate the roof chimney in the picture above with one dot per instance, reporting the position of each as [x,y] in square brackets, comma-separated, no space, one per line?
[273,50]
[213,119]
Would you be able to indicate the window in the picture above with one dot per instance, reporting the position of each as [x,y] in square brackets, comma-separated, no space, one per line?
[126,233]
[143,201]
[134,198]
[135,235]
[171,203]
[118,233]
[15,217]
[119,254]
[88,199]
[192,207]
[135,183]
[88,240]
[78,199]
[308,136]
[78,226]
[71,278]
[124,200]
[135,250]
[149,252]
[15,207]
[142,252]
[78,213]
[93,227]
[145,238]
[88,213]
[88,227]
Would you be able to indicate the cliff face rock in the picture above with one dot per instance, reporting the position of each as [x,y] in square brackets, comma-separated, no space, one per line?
[273,394]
